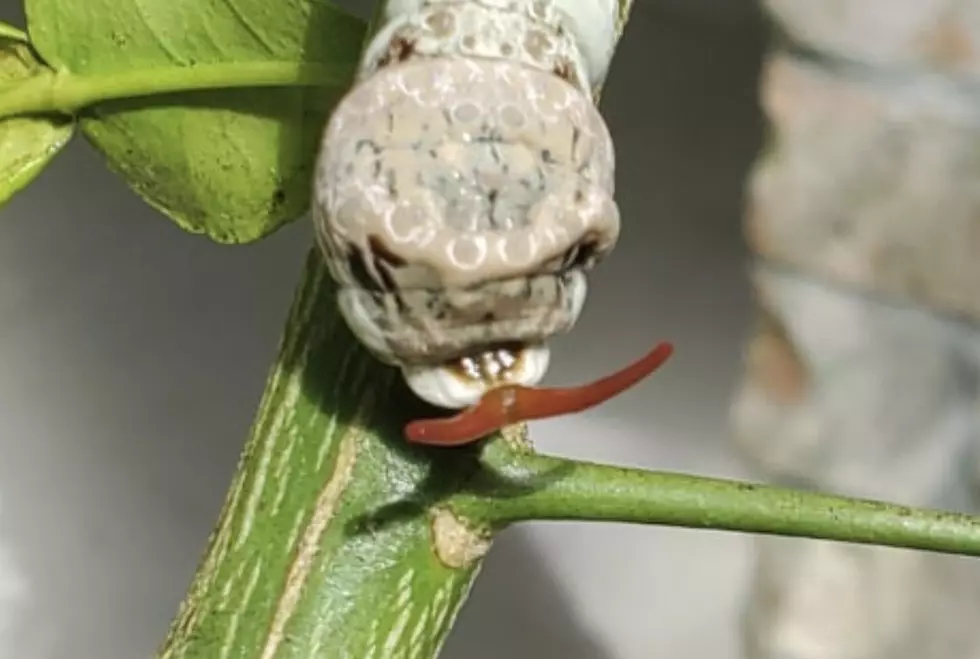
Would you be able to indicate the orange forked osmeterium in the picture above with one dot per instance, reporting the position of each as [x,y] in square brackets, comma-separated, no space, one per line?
[512,404]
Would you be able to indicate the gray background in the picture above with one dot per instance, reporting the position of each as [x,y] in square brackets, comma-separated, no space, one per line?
[132,357]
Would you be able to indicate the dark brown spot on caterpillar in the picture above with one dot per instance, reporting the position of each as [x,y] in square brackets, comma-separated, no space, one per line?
[563,69]
[358,269]
[384,262]
[381,251]
[399,50]
[376,276]
[582,254]
[400,302]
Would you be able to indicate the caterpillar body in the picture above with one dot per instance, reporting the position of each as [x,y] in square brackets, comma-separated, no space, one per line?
[465,187]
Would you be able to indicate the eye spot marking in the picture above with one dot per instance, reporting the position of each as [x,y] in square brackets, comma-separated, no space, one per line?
[539,9]
[442,23]
[538,45]
[467,252]
[409,223]
[466,112]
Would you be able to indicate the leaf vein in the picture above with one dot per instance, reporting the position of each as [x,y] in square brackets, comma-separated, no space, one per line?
[249,27]
[148,23]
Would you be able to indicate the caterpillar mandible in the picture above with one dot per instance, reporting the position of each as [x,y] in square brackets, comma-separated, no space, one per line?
[463,190]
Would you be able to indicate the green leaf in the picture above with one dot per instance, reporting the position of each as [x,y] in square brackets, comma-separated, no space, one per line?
[27,144]
[234,164]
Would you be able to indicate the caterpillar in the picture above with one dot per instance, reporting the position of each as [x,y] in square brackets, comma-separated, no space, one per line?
[463,190]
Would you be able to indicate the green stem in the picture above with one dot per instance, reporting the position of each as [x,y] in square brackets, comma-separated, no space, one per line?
[66,93]
[8,31]
[332,541]
[523,488]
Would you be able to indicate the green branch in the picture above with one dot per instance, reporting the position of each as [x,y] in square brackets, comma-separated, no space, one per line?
[339,539]
[8,31]
[67,93]
[515,488]
[331,542]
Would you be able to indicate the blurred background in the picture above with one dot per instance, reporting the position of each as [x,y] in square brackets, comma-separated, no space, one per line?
[132,357]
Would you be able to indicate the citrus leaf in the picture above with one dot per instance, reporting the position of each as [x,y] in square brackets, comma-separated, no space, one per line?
[234,164]
[27,144]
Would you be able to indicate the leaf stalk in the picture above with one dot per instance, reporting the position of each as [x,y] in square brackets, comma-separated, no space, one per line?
[515,488]
[62,92]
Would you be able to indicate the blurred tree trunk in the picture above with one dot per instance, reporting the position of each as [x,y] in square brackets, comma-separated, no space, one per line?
[861,377]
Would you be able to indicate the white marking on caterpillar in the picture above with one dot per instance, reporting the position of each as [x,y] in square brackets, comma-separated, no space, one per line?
[465,185]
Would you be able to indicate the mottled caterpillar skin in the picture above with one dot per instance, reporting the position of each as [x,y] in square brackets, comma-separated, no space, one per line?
[465,187]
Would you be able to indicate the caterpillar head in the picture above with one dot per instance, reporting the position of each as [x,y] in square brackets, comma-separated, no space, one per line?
[459,204]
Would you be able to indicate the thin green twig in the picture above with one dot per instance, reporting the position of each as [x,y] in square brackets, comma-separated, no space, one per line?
[8,31]
[66,93]
[533,487]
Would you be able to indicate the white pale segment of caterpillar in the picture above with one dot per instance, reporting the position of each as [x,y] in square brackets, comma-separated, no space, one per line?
[465,186]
